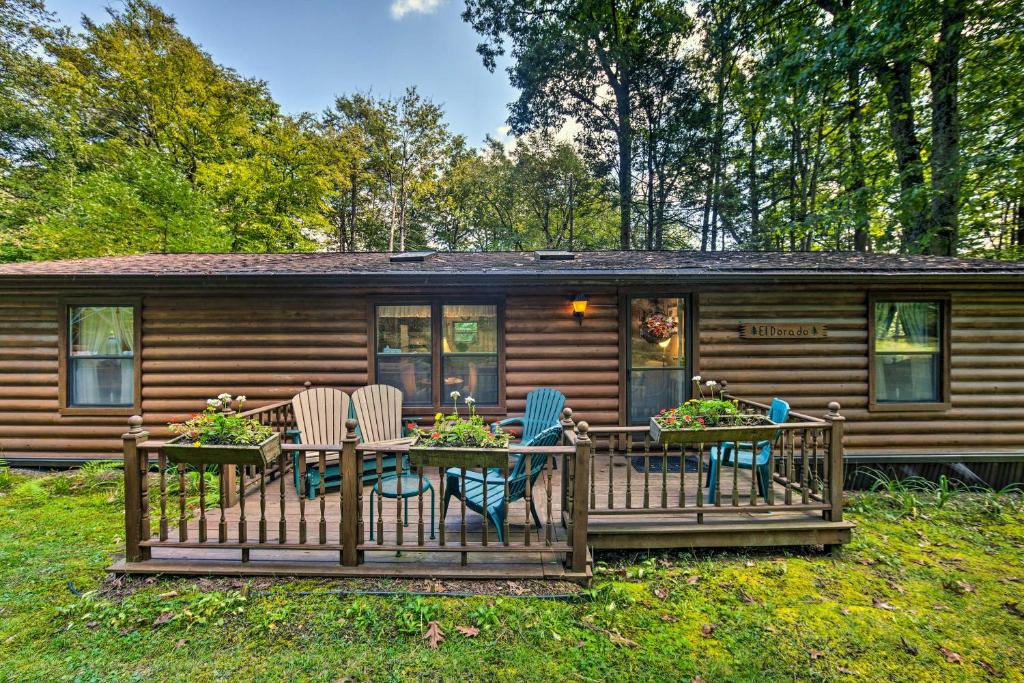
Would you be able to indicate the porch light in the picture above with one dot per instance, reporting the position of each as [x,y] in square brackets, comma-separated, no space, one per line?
[579,307]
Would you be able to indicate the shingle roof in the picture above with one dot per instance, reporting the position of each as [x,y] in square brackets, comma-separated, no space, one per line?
[596,263]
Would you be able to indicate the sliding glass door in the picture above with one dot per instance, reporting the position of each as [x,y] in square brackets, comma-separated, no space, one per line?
[658,355]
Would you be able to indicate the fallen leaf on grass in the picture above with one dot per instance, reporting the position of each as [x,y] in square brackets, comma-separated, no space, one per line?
[180,643]
[910,649]
[693,580]
[433,636]
[468,631]
[959,587]
[698,679]
[92,624]
[163,618]
[867,561]
[669,618]
[1013,609]
[168,596]
[845,611]
[707,629]
[881,604]
[816,654]
[951,657]
[621,640]
[661,592]
[939,608]
[989,669]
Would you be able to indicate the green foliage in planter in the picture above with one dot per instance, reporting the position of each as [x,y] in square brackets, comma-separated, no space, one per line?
[456,432]
[214,428]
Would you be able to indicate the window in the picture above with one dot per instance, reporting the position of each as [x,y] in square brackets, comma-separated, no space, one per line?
[908,354]
[99,350]
[658,373]
[469,357]
[428,350]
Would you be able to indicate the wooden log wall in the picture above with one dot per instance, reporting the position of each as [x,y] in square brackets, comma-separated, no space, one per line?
[987,366]
[199,341]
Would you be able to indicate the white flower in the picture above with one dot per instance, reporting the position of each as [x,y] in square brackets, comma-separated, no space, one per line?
[455,395]
[696,378]
[212,402]
[241,400]
[470,400]
[225,397]
[710,383]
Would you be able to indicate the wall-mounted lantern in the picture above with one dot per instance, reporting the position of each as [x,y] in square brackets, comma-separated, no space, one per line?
[579,307]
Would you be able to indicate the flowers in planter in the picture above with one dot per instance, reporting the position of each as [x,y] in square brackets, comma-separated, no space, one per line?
[452,431]
[657,328]
[215,427]
[708,409]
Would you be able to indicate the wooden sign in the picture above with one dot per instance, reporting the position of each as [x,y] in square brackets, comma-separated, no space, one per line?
[766,331]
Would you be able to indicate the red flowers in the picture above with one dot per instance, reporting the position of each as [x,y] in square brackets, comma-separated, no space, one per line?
[435,435]
[410,425]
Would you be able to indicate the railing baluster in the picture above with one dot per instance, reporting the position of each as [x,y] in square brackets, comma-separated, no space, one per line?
[804,477]
[241,511]
[399,517]
[700,481]
[302,497]
[202,504]
[282,525]
[735,473]
[647,476]
[629,468]
[380,499]
[162,466]
[787,453]
[664,476]
[462,521]
[682,475]
[322,494]
[753,471]
[263,504]
[527,500]
[419,524]
[611,472]
[548,465]
[443,479]
[486,503]
[771,475]
[182,522]
[593,485]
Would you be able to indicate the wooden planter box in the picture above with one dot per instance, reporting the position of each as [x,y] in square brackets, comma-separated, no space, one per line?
[180,451]
[447,456]
[746,434]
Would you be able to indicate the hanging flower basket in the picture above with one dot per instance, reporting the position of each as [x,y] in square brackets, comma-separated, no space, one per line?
[657,328]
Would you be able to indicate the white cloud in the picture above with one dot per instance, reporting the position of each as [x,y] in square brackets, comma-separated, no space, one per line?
[399,8]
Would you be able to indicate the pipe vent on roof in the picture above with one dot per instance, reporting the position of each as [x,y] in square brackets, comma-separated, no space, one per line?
[554,255]
[410,256]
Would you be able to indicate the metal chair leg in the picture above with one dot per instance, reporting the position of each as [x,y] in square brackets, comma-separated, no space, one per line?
[432,506]
[372,490]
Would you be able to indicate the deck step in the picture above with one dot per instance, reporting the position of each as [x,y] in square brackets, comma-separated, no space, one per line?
[612,534]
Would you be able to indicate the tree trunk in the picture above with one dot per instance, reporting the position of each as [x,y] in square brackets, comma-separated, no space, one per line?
[896,79]
[753,197]
[945,157]
[623,109]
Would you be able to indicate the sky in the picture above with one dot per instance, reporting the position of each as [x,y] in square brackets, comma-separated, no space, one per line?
[308,51]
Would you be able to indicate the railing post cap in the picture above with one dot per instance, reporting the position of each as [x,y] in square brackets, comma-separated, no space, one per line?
[350,428]
[566,414]
[833,409]
[582,427]
[307,384]
[134,424]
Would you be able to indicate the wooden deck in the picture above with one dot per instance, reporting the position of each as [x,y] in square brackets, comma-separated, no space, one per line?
[669,519]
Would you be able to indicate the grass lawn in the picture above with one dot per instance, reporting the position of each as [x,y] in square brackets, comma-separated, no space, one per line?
[924,593]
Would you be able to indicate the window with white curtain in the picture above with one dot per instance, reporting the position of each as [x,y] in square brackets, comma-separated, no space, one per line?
[101,356]
[908,351]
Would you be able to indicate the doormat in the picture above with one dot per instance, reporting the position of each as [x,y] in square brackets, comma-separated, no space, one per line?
[673,462]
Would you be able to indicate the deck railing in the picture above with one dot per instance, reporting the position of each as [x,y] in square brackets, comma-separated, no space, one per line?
[283,521]
[631,475]
[600,472]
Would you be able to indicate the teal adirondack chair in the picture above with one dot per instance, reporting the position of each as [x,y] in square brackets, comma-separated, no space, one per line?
[494,507]
[543,410]
[778,413]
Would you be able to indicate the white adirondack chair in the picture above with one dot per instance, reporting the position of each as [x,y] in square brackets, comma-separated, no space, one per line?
[320,415]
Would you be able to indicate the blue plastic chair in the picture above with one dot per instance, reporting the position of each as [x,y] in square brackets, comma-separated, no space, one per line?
[494,507]
[543,410]
[745,459]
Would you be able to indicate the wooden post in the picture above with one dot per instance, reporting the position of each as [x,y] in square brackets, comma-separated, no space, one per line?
[228,488]
[568,426]
[835,464]
[581,488]
[135,470]
[350,484]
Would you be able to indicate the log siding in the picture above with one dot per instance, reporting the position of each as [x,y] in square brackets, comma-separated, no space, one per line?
[201,338]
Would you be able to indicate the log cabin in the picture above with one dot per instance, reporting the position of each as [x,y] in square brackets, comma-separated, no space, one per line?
[924,354]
